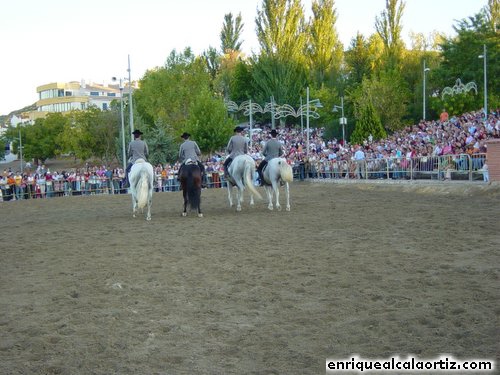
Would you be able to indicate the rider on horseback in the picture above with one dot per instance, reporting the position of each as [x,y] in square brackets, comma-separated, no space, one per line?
[189,150]
[237,145]
[137,149]
[272,149]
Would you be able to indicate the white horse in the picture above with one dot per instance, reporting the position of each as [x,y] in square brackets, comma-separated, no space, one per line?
[141,186]
[276,172]
[241,173]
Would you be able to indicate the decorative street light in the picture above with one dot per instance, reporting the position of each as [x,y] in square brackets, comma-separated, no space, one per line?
[483,56]
[20,149]
[343,120]
[425,71]
[316,103]
[249,108]
[131,119]
[124,156]
[277,111]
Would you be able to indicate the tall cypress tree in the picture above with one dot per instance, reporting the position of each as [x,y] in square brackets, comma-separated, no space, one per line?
[368,123]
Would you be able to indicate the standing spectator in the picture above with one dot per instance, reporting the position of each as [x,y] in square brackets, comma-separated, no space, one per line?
[443,117]
[17,186]
[359,158]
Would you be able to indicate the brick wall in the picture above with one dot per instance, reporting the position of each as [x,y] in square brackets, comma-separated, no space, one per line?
[493,157]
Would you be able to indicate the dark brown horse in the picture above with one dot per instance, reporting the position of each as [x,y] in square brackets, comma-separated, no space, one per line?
[190,179]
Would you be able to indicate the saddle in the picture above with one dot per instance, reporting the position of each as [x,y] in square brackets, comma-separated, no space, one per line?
[190,161]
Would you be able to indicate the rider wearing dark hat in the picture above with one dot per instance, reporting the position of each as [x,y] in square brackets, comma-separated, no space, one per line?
[189,150]
[237,145]
[272,149]
[137,149]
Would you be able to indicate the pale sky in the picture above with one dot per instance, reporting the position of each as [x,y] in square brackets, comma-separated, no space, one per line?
[45,41]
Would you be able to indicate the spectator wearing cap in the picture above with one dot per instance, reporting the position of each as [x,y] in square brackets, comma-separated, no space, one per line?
[237,145]
[272,149]
[189,150]
[137,149]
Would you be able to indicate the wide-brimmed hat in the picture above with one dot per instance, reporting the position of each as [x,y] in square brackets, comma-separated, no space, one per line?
[273,133]
[137,132]
[239,129]
[185,135]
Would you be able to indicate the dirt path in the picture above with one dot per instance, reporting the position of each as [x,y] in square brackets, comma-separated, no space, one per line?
[366,269]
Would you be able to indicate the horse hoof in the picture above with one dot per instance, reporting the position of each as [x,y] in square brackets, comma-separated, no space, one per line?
[200,215]
[184,214]
[270,208]
[148,218]
[288,208]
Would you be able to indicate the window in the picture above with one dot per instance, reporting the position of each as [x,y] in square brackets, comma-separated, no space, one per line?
[104,106]
[111,94]
[94,93]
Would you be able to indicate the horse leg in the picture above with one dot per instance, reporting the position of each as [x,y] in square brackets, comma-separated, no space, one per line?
[184,194]
[148,216]
[269,192]
[287,194]
[276,188]
[200,214]
[134,207]
[239,198]
[229,196]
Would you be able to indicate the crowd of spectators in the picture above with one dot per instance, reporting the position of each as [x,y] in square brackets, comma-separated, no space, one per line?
[455,136]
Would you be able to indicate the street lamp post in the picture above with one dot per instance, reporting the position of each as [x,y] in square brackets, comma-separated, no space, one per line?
[425,71]
[131,119]
[317,104]
[124,155]
[483,56]
[20,149]
[343,120]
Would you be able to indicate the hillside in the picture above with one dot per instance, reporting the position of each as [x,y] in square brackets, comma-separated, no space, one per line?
[5,119]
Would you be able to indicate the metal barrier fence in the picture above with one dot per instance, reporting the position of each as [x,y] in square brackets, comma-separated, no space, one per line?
[447,167]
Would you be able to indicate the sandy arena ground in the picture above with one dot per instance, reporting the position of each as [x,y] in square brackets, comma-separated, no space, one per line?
[367,269]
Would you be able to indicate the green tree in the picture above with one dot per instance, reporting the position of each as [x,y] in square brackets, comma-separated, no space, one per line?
[209,124]
[388,94]
[162,146]
[460,60]
[280,29]
[281,79]
[231,33]
[3,143]
[91,133]
[368,123]
[357,59]
[41,140]
[241,84]
[167,94]
[324,51]
[388,26]
[212,61]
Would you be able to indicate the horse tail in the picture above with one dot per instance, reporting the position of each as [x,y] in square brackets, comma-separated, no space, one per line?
[143,189]
[248,173]
[193,187]
[286,171]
